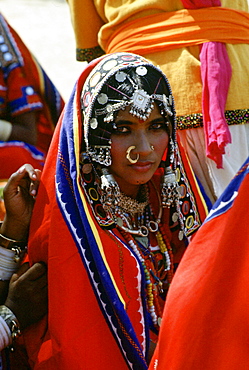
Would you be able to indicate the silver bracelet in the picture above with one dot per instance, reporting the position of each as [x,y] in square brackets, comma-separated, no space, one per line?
[11,320]
[10,261]
[9,243]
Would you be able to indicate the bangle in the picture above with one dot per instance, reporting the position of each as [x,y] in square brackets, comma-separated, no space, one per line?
[5,130]
[11,321]
[10,261]
[10,243]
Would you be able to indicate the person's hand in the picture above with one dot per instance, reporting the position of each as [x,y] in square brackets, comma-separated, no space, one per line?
[19,196]
[27,296]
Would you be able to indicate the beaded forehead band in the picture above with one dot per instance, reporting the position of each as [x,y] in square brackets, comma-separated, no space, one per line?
[99,108]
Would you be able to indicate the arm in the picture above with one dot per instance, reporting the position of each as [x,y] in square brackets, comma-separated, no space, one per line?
[26,293]
[26,302]
[86,24]
[22,128]
[27,296]
[19,194]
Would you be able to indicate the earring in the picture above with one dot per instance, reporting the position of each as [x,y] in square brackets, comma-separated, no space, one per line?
[170,192]
[128,151]
[152,147]
[109,190]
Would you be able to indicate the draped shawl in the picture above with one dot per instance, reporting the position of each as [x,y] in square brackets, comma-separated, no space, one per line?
[205,321]
[97,310]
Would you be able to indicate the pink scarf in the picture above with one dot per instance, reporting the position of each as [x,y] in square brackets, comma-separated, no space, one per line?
[216,75]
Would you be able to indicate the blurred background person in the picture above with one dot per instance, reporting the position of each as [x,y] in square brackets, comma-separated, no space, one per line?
[30,106]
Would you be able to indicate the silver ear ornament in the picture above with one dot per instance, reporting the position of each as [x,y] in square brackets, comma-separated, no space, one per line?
[100,154]
[109,190]
[170,189]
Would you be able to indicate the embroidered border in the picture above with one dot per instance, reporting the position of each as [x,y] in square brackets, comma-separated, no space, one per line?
[233,117]
[89,54]
[9,52]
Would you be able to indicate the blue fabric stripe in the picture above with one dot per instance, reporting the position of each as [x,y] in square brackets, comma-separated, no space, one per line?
[72,209]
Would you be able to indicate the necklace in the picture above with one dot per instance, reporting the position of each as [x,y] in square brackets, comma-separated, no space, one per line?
[137,217]
[157,279]
[133,206]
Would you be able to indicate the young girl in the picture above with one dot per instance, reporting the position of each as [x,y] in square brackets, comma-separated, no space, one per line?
[116,204]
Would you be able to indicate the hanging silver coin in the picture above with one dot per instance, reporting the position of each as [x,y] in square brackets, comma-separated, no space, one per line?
[120,76]
[93,123]
[102,98]
[141,71]
[181,235]
[175,217]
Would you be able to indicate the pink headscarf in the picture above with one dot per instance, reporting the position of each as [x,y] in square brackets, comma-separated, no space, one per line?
[216,74]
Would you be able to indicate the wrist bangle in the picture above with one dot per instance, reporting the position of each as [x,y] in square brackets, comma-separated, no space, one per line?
[11,320]
[10,243]
[10,262]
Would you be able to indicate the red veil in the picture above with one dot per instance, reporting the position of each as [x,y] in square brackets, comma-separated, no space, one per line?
[97,311]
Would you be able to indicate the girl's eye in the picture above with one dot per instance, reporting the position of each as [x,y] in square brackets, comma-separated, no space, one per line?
[120,129]
[158,126]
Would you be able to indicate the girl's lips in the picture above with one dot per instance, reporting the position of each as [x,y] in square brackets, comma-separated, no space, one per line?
[142,166]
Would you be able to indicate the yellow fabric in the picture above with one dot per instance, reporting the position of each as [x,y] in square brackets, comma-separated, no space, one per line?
[86,22]
[181,66]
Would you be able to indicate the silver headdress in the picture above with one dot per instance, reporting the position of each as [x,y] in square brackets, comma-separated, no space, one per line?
[118,81]
[104,95]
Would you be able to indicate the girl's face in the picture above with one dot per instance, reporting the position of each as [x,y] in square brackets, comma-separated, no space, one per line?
[144,135]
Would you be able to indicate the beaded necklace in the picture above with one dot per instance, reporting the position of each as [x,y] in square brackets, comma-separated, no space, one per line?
[157,281]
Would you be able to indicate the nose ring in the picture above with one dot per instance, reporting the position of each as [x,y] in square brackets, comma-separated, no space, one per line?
[128,151]
[152,147]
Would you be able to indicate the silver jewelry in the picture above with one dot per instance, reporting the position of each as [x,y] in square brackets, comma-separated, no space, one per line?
[99,105]
[130,205]
[170,188]
[128,213]
[100,154]
[141,104]
[11,320]
[152,147]
[142,227]
[110,191]
[128,151]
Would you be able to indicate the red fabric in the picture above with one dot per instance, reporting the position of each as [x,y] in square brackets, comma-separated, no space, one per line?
[75,334]
[205,322]
[194,4]
[13,157]
[78,336]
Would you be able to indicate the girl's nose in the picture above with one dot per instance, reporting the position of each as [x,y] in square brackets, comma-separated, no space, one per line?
[143,145]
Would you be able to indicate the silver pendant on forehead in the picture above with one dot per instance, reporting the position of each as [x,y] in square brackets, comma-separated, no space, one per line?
[140,99]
